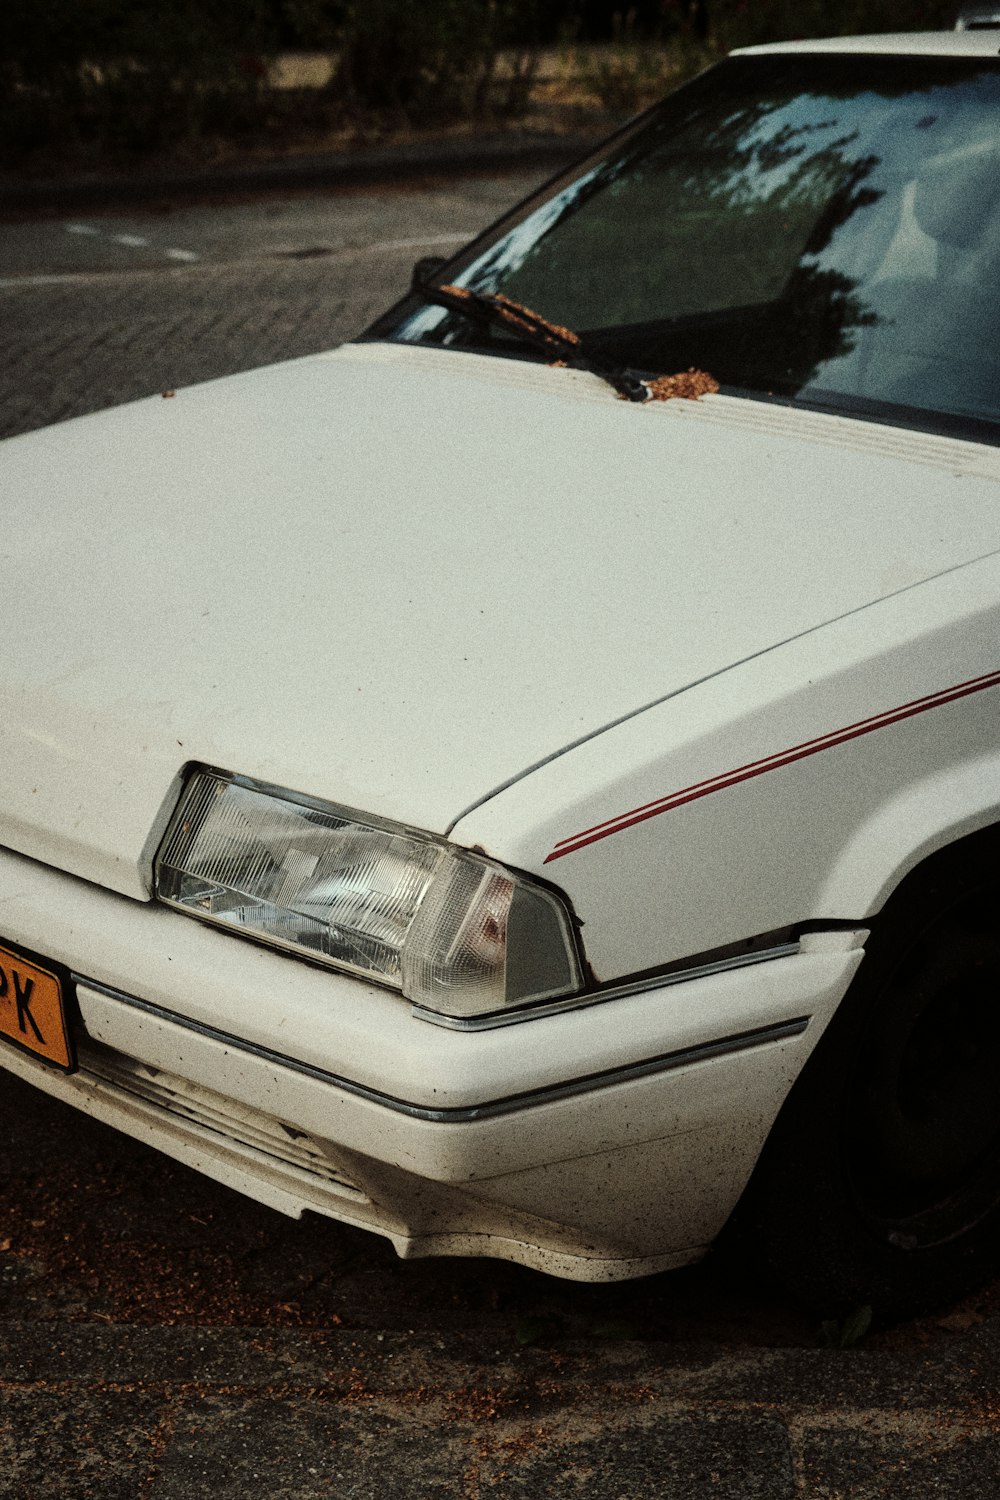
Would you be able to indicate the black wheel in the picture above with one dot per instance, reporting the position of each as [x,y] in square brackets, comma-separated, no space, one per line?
[880,1183]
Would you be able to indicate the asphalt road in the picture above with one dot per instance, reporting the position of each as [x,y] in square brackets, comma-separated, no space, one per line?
[162,1338]
[102,309]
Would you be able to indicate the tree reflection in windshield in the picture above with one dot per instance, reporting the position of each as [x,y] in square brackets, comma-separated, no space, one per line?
[779,223]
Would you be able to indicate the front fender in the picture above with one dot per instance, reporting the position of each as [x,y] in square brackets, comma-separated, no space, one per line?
[796,787]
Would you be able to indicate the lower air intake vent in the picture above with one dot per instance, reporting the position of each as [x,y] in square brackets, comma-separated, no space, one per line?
[224,1120]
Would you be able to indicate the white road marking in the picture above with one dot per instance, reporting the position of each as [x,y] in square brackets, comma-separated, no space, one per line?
[55,279]
[425,239]
[139,242]
[133,241]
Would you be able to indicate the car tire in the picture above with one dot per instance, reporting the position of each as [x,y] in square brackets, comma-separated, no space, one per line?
[880,1182]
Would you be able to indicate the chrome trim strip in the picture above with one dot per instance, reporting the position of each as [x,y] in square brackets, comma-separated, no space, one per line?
[597,997]
[459,1115]
[772,762]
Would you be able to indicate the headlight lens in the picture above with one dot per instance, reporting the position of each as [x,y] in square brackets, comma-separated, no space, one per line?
[453,931]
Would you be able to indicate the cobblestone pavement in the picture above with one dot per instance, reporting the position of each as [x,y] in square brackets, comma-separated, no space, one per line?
[164,1339]
[90,319]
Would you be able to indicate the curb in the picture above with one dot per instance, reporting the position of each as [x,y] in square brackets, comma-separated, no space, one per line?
[331,169]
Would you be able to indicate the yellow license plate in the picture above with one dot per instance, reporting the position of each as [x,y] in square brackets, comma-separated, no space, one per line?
[33,1009]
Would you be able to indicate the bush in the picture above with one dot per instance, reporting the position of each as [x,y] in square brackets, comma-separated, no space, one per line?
[127,76]
[111,76]
[433,61]
[650,54]
[744,23]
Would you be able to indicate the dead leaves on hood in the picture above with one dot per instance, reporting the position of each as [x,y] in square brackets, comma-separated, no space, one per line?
[688,385]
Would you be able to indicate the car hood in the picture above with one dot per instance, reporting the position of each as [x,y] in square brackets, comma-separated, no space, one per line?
[398,578]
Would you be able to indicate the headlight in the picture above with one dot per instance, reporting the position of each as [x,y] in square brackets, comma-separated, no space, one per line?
[454,932]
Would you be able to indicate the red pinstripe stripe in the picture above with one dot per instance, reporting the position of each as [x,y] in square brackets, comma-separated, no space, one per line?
[770,763]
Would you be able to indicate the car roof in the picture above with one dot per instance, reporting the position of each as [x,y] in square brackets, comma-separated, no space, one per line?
[978,43]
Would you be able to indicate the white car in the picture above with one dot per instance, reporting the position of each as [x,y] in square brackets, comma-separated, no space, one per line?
[439,793]
[977,17]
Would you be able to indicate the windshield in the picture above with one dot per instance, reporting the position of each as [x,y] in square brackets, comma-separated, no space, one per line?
[817,228]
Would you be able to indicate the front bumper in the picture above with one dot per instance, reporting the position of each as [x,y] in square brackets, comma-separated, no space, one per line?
[599,1142]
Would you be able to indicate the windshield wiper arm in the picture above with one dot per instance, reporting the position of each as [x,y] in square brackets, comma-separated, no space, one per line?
[562,343]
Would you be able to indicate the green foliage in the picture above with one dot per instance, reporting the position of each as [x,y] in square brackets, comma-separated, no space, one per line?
[844,1333]
[111,76]
[647,56]
[634,70]
[128,76]
[741,23]
[540,1328]
[429,62]
[118,76]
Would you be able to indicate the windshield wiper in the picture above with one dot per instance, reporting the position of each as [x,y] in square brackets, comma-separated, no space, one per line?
[565,346]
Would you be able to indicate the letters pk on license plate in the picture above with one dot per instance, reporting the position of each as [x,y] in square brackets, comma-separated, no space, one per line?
[32,1009]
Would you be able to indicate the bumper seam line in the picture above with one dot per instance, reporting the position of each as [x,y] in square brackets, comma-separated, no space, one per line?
[490,1109]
